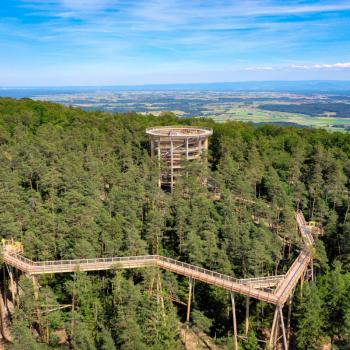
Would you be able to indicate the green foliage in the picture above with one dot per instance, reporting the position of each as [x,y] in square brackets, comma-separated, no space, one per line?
[200,321]
[23,336]
[81,184]
[251,343]
[310,319]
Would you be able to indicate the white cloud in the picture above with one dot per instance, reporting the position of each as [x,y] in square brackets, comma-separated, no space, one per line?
[318,66]
[258,68]
[340,65]
[302,66]
[334,65]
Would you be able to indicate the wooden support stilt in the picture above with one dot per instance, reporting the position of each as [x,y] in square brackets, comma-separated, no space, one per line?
[4,329]
[4,286]
[290,300]
[150,288]
[246,325]
[73,307]
[285,344]
[158,291]
[186,155]
[17,287]
[160,298]
[35,288]
[277,332]
[12,286]
[152,149]
[235,341]
[171,164]
[189,299]
[302,284]
[38,312]
[273,330]
[186,148]
[159,166]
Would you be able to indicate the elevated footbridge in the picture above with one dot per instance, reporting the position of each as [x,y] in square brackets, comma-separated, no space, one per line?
[247,286]
[276,290]
[259,287]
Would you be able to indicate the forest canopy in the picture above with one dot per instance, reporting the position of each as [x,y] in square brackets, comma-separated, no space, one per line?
[81,184]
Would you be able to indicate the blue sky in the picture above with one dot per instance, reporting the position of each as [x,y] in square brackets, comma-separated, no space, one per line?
[118,42]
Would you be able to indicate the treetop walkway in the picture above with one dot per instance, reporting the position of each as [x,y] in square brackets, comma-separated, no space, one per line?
[246,286]
[253,287]
[276,290]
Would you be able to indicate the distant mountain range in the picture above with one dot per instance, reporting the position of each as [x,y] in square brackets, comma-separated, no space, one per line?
[307,86]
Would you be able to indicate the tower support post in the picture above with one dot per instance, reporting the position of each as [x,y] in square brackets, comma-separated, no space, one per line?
[38,313]
[246,325]
[159,163]
[171,164]
[17,287]
[186,148]
[285,343]
[4,285]
[274,330]
[190,286]
[235,336]
[290,301]
[12,286]
[302,284]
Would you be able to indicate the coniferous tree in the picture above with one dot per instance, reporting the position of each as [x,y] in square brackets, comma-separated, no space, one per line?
[310,319]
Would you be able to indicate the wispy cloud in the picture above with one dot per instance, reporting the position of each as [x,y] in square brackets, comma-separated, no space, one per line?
[300,66]
[250,36]
[334,65]
[340,65]
[258,68]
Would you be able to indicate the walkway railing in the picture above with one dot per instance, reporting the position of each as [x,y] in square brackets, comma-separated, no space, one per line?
[304,228]
[247,286]
[37,267]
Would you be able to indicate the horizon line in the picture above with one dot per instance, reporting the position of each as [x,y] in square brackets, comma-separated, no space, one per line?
[173,84]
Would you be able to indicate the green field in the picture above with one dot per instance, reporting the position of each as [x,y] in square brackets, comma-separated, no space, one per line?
[256,115]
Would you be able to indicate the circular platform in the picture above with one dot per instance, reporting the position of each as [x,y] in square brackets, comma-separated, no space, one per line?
[179,131]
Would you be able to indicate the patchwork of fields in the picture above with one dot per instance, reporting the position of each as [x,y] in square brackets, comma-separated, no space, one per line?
[256,115]
[320,110]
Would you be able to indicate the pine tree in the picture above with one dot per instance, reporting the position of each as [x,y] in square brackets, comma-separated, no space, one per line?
[310,319]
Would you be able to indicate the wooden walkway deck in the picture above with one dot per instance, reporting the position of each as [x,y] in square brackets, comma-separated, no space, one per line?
[304,228]
[258,288]
[249,286]
[297,269]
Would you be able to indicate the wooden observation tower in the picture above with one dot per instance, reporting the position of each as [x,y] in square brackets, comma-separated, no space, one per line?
[173,145]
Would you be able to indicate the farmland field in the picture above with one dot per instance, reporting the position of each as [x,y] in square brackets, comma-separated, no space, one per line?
[256,115]
[316,110]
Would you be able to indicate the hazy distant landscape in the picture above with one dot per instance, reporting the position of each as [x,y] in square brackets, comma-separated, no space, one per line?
[302,104]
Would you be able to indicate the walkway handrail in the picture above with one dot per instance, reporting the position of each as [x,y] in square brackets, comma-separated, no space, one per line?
[248,286]
[93,260]
[218,274]
[152,258]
